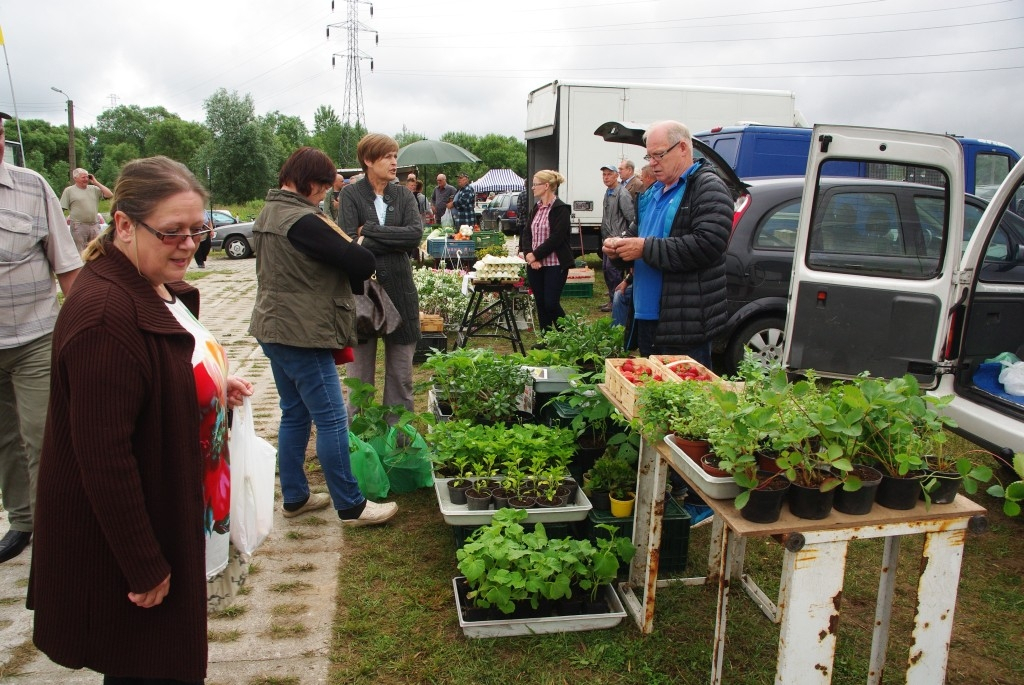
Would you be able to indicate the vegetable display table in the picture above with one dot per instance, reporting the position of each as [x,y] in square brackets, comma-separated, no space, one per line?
[813,568]
[499,314]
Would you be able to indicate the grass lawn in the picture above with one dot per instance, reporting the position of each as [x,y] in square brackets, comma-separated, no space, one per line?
[396,619]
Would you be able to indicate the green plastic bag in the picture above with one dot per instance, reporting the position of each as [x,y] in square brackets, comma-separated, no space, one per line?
[367,468]
[407,464]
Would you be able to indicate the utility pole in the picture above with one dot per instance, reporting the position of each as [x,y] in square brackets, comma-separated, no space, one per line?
[71,131]
[353,104]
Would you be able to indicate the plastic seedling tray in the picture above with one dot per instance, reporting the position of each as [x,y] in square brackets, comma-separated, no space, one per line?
[460,515]
[709,486]
[538,626]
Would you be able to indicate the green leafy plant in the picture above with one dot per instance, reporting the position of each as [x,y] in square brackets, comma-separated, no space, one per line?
[579,342]
[613,474]
[479,384]
[1012,494]
[505,565]
[686,409]
[374,419]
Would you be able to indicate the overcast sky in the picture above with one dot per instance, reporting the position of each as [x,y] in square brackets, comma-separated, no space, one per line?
[932,65]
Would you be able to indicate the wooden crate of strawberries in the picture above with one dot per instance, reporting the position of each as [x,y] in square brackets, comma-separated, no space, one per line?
[623,377]
[683,367]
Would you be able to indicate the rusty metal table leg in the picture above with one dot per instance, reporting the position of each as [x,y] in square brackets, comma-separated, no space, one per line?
[650,503]
[809,597]
[936,601]
[883,607]
[728,547]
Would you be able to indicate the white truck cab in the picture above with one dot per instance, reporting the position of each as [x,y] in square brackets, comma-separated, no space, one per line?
[887,287]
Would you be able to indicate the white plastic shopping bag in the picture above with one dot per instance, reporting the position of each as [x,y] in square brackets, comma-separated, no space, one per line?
[1012,378]
[447,219]
[253,463]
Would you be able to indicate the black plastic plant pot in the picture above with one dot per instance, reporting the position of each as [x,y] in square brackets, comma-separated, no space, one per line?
[809,502]
[859,501]
[899,493]
[765,503]
[942,486]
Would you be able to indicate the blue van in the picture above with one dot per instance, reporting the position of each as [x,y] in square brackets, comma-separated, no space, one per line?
[756,151]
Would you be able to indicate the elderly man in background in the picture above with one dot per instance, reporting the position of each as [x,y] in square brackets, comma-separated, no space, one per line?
[678,250]
[35,245]
[441,197]
[331,198]
[646,178]
[81,201]
[629,180]
[618,215]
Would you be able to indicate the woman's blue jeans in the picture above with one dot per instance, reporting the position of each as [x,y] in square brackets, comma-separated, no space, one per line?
[310,391]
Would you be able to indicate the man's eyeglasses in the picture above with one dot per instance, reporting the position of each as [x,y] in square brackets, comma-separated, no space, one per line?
[658,156]
[176,238]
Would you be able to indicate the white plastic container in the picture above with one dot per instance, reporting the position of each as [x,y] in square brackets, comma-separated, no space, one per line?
[708,485]
[537,626]
[460,515]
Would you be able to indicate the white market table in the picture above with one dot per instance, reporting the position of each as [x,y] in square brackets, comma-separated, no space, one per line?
[813,568]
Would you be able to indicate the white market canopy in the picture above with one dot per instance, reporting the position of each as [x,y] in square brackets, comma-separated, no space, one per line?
[498,181]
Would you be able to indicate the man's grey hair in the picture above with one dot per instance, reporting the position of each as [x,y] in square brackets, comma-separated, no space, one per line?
[79,172]
[675,130]
[628,163]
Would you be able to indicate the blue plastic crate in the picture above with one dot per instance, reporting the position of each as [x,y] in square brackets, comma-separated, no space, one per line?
[442,248]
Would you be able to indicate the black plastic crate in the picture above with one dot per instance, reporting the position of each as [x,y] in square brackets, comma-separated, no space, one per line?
[426,343]
[675,535]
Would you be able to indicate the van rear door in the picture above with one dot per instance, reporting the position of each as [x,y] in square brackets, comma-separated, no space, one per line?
[873,278]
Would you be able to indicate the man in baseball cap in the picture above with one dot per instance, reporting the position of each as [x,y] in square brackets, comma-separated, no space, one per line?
[463,203]
[619,214]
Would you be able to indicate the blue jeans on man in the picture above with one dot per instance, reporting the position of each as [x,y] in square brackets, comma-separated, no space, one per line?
[310,393]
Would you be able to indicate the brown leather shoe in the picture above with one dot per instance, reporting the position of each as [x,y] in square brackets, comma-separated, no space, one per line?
[607,307]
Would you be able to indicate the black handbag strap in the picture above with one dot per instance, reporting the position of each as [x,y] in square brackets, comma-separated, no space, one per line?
[337,229]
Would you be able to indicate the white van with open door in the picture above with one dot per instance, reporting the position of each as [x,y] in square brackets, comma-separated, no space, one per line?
[892,284]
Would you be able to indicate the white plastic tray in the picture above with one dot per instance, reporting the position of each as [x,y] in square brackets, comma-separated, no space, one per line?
[460,515]
[709,486]
[538,626]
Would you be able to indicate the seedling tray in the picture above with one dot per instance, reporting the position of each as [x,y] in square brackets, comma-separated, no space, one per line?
[538,626]
[460,515]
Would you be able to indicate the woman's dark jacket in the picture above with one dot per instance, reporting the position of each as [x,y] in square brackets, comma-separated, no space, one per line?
[120,489]
[558,239]
[692,262]
[391,243]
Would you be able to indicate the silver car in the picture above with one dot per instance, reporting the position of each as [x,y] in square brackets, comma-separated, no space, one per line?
[235,240]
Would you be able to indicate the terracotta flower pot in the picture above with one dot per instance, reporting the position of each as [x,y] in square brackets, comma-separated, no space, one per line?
[694,449]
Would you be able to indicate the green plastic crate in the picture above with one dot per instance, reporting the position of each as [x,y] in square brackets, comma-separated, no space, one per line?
[578,290]
[488,238]
[675,536]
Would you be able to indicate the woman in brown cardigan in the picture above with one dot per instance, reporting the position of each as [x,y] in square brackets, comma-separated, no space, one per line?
[134,461]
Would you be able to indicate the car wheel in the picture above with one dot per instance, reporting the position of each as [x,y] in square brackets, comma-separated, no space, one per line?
[764,337]
[237,247]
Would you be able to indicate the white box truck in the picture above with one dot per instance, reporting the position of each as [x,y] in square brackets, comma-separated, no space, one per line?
[561,118]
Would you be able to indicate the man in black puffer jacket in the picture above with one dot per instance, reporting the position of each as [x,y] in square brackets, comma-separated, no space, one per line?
[678,249]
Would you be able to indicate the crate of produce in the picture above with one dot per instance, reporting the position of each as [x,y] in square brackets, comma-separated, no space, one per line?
[623,377]
[683,367]
[488,238]
[580,275]
[442,248]
[675,535]
[427,342]
[431,323]
[578,289]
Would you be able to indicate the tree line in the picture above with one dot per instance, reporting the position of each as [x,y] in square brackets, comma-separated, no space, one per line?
[236,152]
